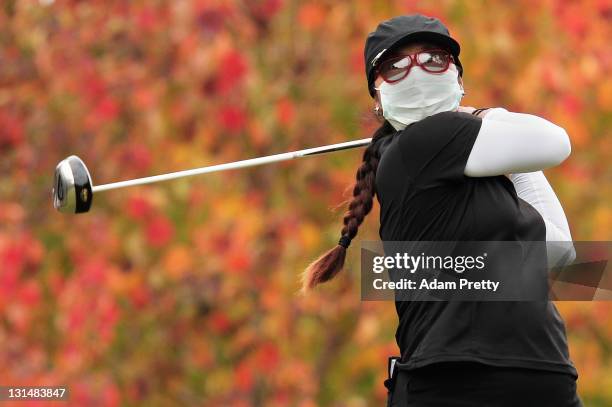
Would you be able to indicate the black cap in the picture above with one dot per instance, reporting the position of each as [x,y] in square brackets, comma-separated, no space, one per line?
[401,30]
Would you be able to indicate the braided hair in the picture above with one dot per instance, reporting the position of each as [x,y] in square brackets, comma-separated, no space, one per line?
[330,263]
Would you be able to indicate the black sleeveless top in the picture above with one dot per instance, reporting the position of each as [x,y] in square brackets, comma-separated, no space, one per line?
[424,196]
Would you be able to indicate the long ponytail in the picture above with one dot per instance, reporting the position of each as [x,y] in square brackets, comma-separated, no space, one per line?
[329,264]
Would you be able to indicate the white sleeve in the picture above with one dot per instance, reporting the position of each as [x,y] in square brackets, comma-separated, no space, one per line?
[533,188]
[511,142]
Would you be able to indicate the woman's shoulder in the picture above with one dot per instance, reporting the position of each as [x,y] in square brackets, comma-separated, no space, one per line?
[438,145]
[443,120]
[441,127]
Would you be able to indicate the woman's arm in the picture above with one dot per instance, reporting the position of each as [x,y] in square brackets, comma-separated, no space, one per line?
[519,143]
[533,188]
[514,143]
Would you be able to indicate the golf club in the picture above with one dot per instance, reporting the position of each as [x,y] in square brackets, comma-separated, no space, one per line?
[73,188]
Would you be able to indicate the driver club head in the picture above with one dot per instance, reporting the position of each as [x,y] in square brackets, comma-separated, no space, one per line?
[72,191]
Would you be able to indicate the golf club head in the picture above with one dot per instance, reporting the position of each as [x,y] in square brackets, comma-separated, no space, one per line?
[72,186]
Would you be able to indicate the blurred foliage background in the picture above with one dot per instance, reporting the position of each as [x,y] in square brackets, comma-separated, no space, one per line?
[185,293]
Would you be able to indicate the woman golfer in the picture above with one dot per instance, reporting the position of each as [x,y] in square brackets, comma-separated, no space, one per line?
[443,172]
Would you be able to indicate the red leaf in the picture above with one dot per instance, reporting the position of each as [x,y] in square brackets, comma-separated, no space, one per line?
[238,261]
[285,111]
[265,9]
[76,317]
[219,322]
[233,118]
[11,130]
[146,19]
[139,208]
[357,61]
[243,377]
[30,293]
[137,157]
[14,257]
[571,104]
[110,396]
[93,273]
[107,109]
[159,231]
[576,172]
[140,296]
[267,357]
[210,20]
[93,87]
[231,71]
[144,98]
[108,315]
[9,279]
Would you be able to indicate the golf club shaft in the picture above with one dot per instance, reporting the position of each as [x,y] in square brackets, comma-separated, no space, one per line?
[233,165]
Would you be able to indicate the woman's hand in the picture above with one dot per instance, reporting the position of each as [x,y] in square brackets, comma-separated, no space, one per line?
[465,109]
[470,110]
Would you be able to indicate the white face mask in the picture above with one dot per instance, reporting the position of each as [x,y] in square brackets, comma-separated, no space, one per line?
[419,95]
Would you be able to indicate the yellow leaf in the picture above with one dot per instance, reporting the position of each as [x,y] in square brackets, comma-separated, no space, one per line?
[178,261]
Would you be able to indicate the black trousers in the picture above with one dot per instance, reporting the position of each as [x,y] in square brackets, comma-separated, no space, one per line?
[467,384]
